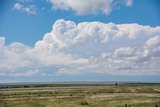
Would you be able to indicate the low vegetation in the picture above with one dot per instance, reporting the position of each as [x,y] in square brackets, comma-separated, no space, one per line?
[80,95]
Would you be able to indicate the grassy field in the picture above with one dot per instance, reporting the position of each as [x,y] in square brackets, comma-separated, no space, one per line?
[80,95]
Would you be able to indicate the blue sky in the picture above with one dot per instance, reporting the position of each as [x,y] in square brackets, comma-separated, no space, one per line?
[24,25]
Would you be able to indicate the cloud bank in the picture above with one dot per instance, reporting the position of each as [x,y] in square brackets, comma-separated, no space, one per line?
[86,48]
[85,7]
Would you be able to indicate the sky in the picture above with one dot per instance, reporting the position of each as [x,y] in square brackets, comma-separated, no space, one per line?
[79,40]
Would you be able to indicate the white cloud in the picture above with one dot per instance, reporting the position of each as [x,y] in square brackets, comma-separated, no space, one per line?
[67,35]
[153,42]
[128,2]
[31,9]
[13,56]
[28,73]
[88,47]
[2,41]
[84,7]
[124,52]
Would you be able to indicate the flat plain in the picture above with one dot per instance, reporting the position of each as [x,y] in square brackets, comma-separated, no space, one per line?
[80,94]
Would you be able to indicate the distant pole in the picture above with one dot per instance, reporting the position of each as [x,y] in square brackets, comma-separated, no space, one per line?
[125,105]
[116,86]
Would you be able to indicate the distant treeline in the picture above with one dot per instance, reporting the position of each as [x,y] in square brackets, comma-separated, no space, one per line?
[39,85]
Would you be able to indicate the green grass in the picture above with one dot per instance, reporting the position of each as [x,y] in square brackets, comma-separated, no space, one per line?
[91,96]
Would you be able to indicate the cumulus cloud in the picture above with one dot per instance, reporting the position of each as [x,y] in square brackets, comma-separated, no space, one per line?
[87,36]
[30,10]
[13,56]
[84,7]
[87,47]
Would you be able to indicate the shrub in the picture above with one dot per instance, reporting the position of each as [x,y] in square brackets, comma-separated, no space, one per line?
[84,103]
